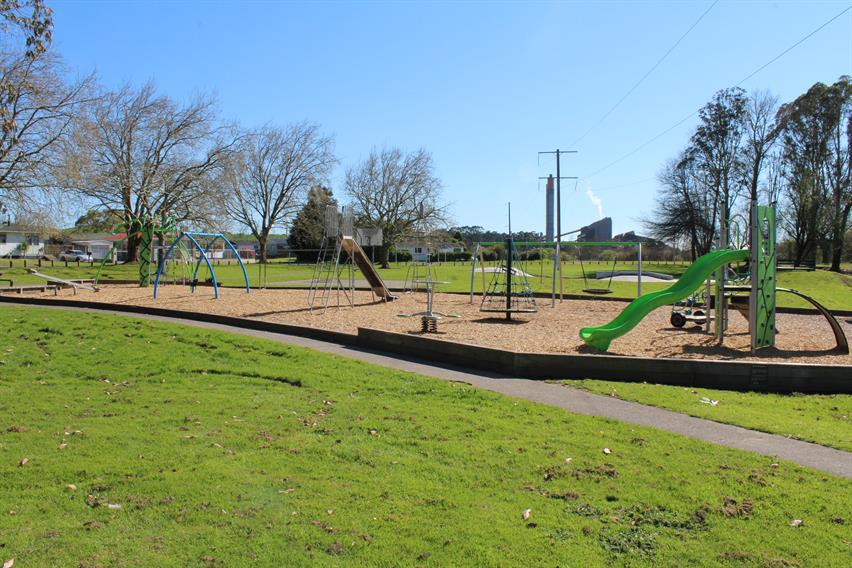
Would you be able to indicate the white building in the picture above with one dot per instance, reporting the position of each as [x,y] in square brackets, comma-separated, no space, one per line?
[420,250]
[19,242]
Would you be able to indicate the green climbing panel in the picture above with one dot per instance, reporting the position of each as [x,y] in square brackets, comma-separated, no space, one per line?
[146,235]
[763,259]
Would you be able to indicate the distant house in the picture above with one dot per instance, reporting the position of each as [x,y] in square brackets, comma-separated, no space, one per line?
[99,245]
[17,241]
[277,246]
[420,250]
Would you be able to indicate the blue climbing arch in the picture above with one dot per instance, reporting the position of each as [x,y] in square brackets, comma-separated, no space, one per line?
[203,256]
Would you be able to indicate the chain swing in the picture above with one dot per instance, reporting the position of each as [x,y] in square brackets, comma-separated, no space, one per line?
[598,291]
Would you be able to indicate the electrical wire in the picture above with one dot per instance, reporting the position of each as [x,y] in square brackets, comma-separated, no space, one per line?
[645,76]
[747,77]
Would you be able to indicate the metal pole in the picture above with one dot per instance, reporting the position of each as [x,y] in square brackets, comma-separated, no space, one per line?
[559,220]
[553,293]
[509,278]
[473,271]
[639,278]
[752,262]
[721,308]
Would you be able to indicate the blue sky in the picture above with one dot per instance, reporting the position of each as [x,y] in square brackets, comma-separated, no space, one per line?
[484,86]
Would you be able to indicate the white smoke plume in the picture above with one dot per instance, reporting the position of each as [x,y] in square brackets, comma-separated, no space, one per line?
[596,201]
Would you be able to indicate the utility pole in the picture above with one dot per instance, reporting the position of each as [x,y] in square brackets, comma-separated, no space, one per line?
[559,178]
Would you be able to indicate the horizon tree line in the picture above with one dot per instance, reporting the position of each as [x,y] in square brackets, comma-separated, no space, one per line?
[749,148]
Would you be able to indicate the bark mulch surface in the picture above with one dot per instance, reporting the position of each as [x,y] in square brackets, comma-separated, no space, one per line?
[801,338]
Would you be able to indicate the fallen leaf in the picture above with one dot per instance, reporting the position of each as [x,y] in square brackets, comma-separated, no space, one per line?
[568,460]
[71,487]
[24,462]
[607,451]
[527,513]
[796,522]
[114,506]
[330,512]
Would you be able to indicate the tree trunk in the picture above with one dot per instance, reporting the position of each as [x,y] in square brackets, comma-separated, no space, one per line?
[261,241]
[132,244]
[835,259]
[384,254]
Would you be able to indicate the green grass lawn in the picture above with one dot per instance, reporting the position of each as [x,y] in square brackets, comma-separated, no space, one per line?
[831,289]
[163,445]
[824,419]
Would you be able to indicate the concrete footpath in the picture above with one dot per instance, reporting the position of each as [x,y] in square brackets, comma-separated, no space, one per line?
[810,455]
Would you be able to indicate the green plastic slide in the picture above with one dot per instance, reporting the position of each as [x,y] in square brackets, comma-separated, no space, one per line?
[601,336]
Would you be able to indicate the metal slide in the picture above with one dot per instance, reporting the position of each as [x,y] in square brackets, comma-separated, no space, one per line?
[56,280]
[359,257]
[601,336]
[839,336]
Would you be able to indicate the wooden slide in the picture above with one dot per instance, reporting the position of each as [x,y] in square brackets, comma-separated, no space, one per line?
[359,257]
[839,336]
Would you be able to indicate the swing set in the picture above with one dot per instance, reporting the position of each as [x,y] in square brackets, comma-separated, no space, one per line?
[608,290]
[478,259]
[203,254]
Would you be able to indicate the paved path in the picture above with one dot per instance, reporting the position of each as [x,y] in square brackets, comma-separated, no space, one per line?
[807,454]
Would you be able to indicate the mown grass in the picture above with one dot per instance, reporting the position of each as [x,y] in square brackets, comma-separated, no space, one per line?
[190,447]
[831,289]
[824,419]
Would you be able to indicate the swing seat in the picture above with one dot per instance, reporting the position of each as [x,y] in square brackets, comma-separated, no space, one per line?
[509,311]
[597,291]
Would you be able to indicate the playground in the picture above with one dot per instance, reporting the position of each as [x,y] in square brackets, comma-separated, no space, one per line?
[803,338]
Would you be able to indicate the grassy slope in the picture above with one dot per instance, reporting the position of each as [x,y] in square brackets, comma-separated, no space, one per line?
[833,290]
[824,419]
[217,457]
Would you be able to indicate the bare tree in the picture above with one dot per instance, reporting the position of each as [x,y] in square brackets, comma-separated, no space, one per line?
[36,106]
[685,210]
[395,191]
[272,173]
[38,120]
[145,156]
[717,146]
[760,135]
[31,19]
[772,185]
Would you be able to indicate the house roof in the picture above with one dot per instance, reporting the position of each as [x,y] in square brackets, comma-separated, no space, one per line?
[16,228]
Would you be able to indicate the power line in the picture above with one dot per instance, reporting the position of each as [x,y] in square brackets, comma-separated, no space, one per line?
[795,45]
[693,113]
[645,76]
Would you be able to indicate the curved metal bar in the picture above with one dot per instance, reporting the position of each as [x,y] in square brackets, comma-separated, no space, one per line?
[203,251]
[240,260]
